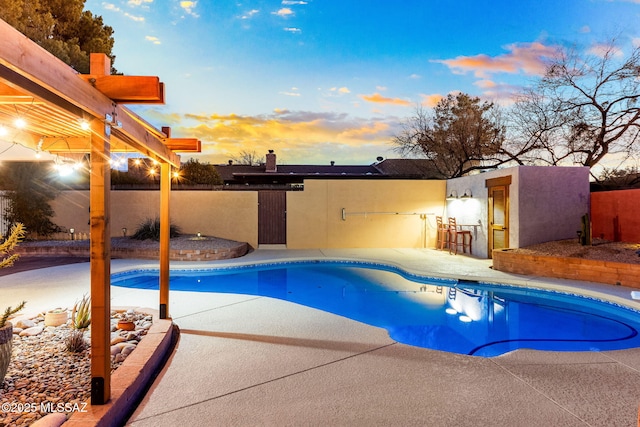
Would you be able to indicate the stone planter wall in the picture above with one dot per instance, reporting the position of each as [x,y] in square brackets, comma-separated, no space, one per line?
[612,273]
[174,254]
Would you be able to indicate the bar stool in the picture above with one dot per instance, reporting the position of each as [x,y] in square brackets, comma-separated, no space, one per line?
[442,236]
[454,238]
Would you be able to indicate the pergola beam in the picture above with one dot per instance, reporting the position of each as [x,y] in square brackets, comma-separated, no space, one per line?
[128,89]
[29,68]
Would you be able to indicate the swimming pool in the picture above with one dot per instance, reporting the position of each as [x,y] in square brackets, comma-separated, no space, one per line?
[471,318]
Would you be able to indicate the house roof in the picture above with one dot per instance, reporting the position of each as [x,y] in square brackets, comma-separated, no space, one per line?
[386,169]
[408,168]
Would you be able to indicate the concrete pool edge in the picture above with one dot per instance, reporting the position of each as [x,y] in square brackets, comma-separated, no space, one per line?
[620,295]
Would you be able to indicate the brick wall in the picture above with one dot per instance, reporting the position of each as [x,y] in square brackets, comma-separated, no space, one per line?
[612,273]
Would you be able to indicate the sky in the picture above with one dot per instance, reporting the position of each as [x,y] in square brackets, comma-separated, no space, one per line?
[327,80]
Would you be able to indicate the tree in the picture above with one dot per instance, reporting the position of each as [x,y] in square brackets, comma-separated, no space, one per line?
[460,135]
[584,108]
[249,158]
[194,172]
[29,194]
[62,28]
[617,178]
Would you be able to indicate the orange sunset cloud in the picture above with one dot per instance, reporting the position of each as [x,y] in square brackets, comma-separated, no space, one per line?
[528,58]
[296,136]
[379,99]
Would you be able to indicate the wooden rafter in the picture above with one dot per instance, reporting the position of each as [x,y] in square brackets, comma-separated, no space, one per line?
[30,70]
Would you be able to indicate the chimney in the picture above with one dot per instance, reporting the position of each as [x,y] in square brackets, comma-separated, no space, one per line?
[271,162]
[332,163]
[230,162]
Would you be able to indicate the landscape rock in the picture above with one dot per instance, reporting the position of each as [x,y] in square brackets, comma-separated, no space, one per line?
[24,323]
[43,371]
[33,331]
[55,419]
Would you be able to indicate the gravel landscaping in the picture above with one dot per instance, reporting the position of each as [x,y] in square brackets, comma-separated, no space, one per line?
[600,250]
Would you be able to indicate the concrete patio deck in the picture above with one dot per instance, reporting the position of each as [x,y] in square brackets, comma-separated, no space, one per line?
[246,360]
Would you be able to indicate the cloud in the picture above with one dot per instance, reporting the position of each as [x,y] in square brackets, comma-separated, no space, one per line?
[134,18]
[113,8]
[293,92]
[431,100]
[188,7]
[110,6]
[341,90]
[381,88]
[585,29]
[136,3]
[250,14]
[527,58]
[602,49]
[285,12]
[292,3]
[415,76]
[379,99]
[292,29]
[302,137]
[152,39]
[500,93]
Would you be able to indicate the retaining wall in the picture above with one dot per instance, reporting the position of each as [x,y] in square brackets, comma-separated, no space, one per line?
[612,273]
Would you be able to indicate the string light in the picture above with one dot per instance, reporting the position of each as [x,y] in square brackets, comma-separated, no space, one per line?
[20,123]
[3,131]
[84,125]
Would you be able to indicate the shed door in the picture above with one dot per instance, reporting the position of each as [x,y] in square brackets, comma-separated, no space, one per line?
[498,217]
[272,217]
[498,192]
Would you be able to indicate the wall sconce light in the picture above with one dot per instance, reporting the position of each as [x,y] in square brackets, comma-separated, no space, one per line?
[452,195]
[72,231]
[199,234]
[124,231]
[467,194]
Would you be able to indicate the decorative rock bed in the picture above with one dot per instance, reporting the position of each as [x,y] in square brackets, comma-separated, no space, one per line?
[44,374]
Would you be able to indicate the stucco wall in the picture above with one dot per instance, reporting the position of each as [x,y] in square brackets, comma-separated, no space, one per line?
[226,214]
[551,202]
[545,203]
[378,214]
[614,215]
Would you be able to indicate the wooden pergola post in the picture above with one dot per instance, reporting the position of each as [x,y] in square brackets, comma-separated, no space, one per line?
[100,188]
[165,229]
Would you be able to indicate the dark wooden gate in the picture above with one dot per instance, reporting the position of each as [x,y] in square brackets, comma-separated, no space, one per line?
[272,217]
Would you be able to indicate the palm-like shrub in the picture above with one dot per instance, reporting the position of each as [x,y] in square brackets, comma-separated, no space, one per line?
[150,229]
[80,321]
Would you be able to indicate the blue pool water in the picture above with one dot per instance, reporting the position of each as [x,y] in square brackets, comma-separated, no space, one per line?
[448,315]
